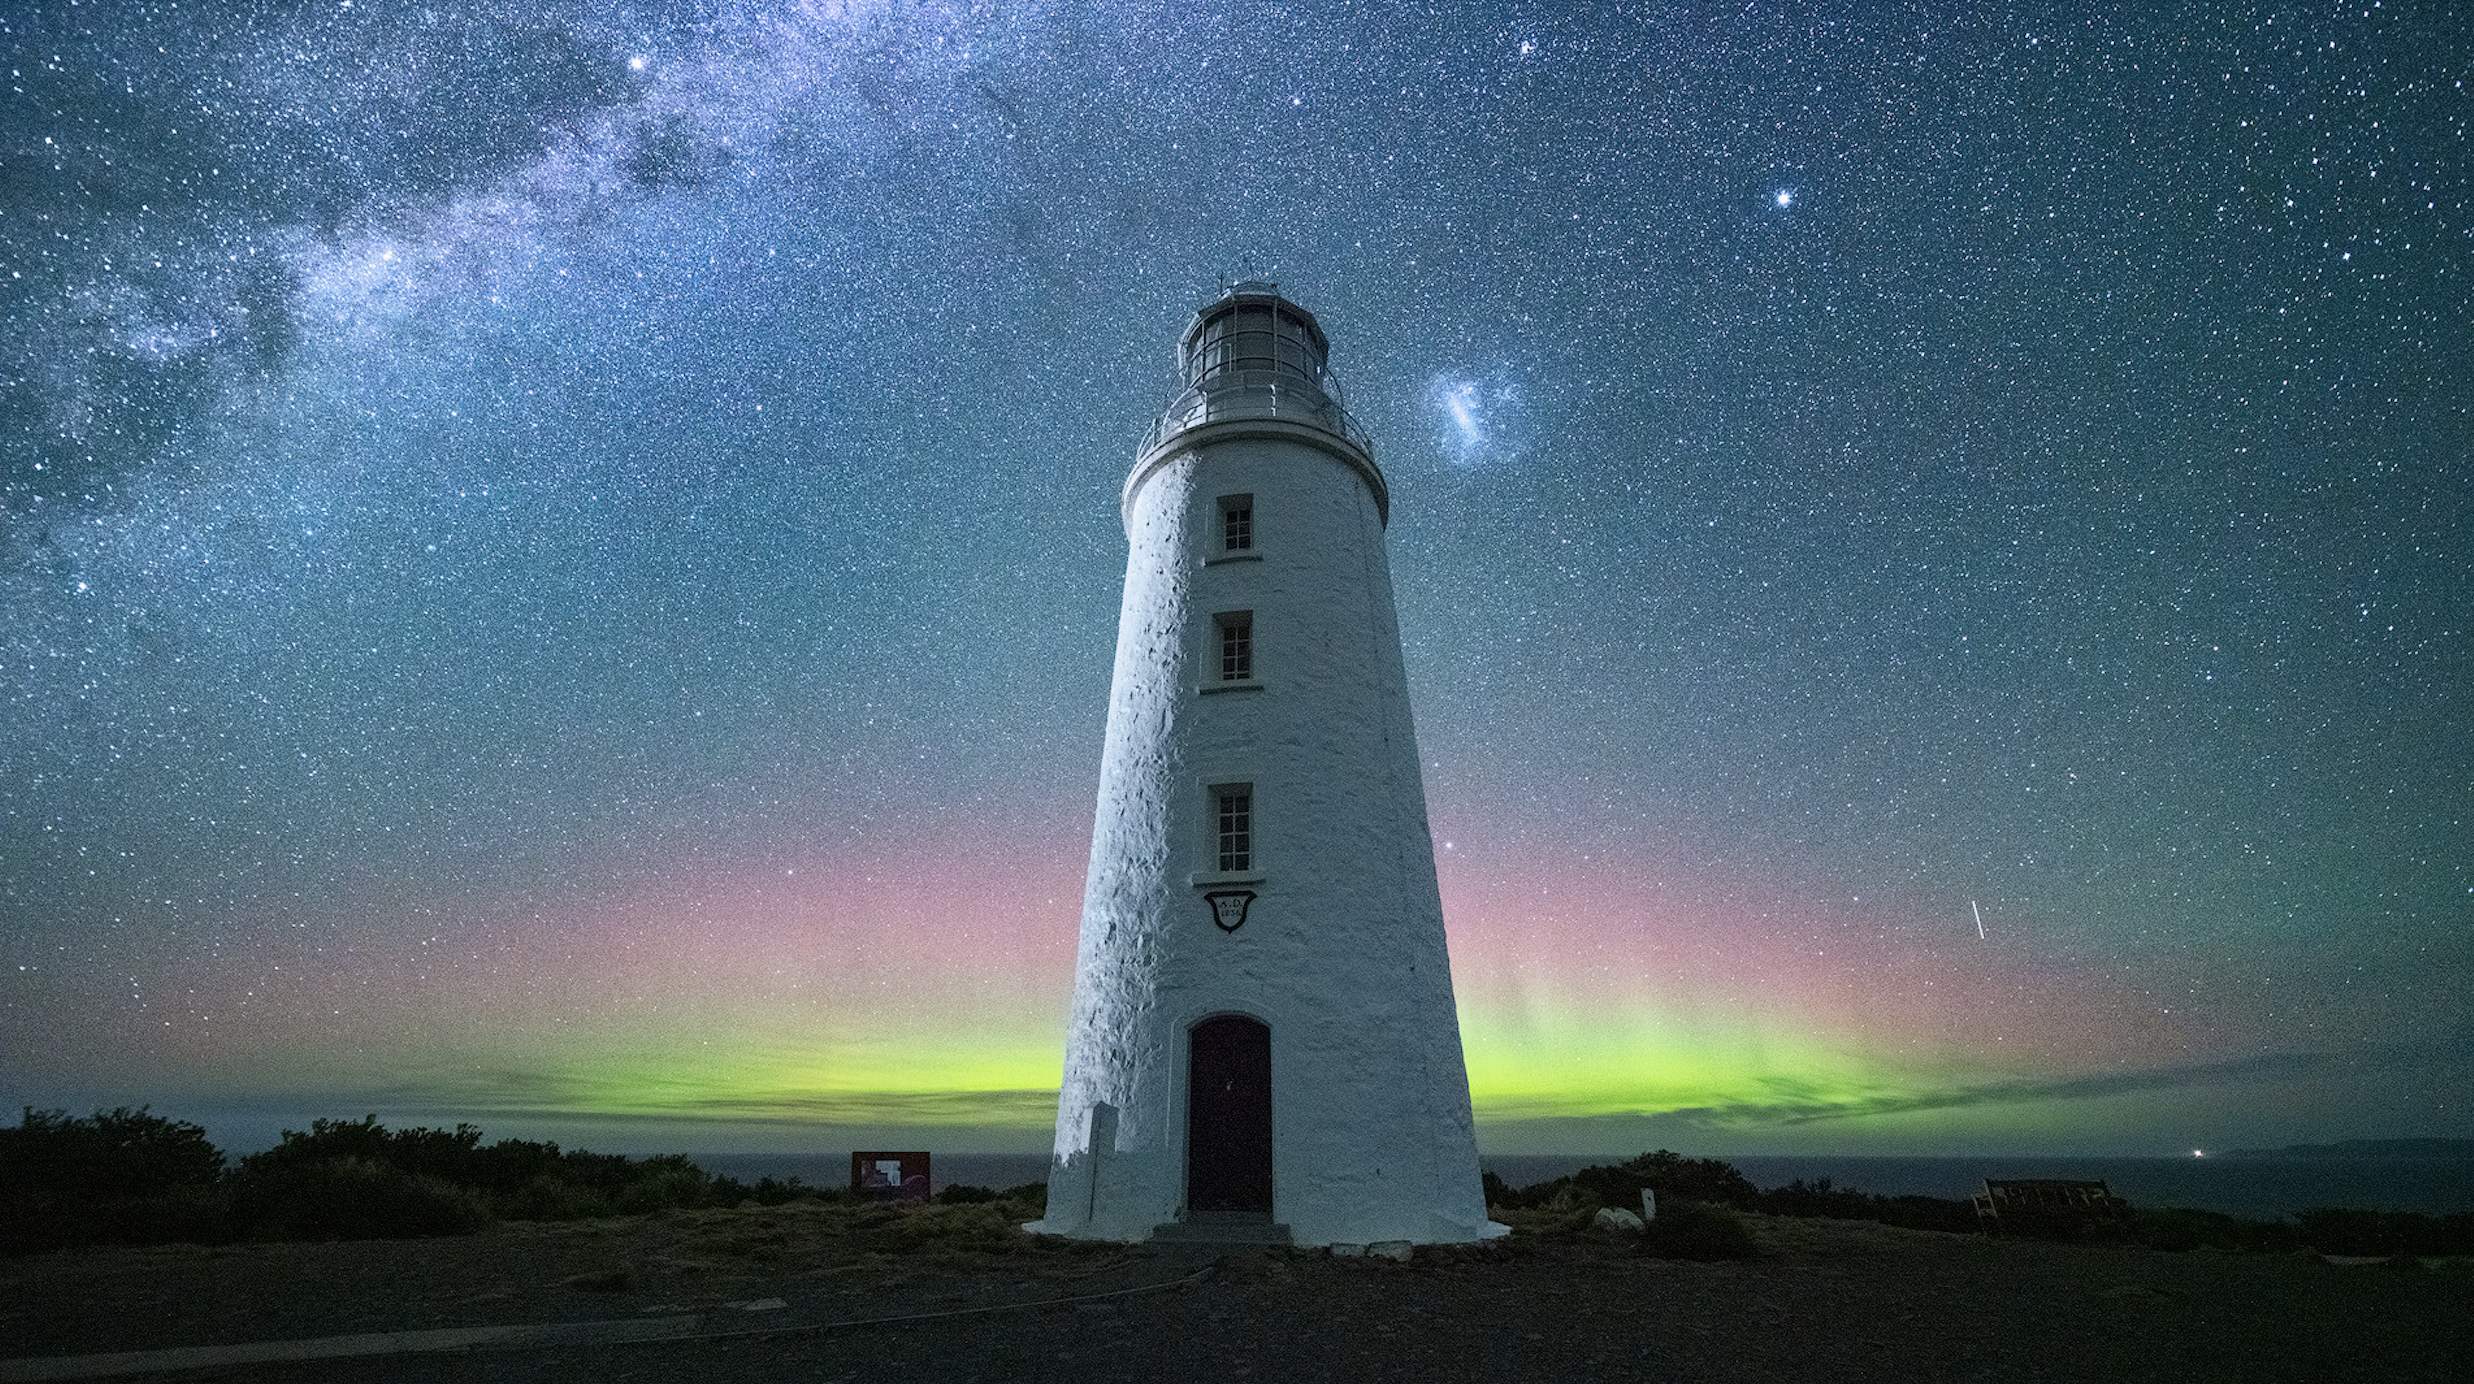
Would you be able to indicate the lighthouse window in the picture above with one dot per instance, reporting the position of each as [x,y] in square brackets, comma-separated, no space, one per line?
[1236,646]
[1236,813]
[1236,523]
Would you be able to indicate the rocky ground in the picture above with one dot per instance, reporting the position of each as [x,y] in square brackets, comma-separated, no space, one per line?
[767,1294]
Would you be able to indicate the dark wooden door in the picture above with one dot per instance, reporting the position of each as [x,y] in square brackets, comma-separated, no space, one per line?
[1228,1116]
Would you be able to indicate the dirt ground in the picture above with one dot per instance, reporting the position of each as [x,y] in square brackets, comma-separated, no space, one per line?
[768,1295]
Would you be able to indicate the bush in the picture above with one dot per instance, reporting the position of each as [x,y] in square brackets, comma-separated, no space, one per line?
[1670,1175]
[513,1179]
[1822,1198]
[116,1177]
[770,1191]
[1687,1229]
[1029,1201]
[983,1226]
[132,1177]
[548,1198]
[1564,1204]
[1711,1182]
[1564,1209]
[661,1184]
[117,1153]
[349,1198]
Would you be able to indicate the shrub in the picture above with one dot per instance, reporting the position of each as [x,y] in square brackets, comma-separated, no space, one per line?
[1560,1210]
[549,1198]
[1670,1175]
[770,1191]
[1687,1229]
[1712,1182]
[435,1152]
[974,1225]
[1822,1198]
[663,1183]
[116,1153]
[116,1177]
[1029,1201]
[350,1198]
[513,1179]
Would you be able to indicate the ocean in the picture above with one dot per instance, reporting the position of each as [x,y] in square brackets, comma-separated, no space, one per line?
[2261,1188]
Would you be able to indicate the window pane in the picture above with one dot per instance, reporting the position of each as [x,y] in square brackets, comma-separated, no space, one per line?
[1236,828]
[1237,523]
[1237,646]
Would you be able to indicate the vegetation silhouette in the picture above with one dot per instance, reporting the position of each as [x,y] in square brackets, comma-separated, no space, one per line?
[1689,1190]
[133,1177]
[118,1176]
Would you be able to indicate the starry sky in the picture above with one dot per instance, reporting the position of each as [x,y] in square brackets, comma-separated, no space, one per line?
[559,562]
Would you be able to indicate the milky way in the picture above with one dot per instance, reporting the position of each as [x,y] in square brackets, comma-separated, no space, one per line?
[560,561]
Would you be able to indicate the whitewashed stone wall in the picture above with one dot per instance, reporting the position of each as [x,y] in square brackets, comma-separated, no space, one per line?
[1342,954]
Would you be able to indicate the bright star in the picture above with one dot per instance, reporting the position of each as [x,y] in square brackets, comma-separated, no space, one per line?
[1786,196]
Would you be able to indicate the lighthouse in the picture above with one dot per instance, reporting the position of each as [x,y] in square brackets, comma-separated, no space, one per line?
[1263,1044]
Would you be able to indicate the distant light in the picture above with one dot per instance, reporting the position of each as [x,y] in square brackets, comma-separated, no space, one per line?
[2199,1153]
[636,63]
[1786,196]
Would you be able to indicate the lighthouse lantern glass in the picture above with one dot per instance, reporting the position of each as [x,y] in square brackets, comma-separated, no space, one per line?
[1254,334]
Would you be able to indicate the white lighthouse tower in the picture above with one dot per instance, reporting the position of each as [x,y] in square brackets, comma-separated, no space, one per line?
[1263,1040]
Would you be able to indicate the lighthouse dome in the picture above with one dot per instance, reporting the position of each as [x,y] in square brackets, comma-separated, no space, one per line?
[1256,364]
[1249,334]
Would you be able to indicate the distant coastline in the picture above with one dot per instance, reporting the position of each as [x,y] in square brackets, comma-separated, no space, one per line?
[2367,1148]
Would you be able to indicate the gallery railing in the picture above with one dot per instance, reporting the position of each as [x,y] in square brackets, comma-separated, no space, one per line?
[1254,394]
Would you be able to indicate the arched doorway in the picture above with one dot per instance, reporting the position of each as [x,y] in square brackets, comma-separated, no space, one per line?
[1228,1116]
